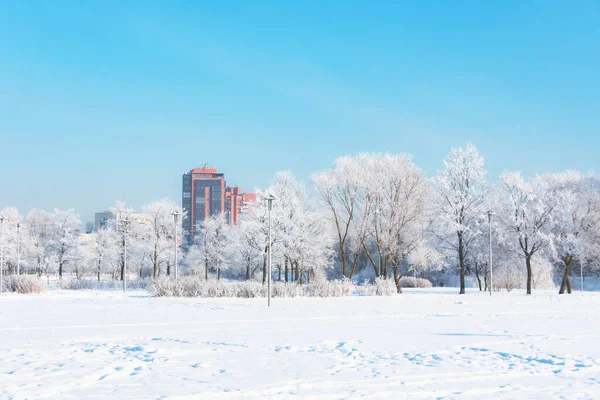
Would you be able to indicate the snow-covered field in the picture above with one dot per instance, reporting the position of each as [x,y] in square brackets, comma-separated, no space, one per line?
[422,344]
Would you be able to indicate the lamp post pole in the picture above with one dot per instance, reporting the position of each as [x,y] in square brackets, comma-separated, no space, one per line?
[18,248]
[1,250]
[490,213]
[175,218]
[269,199]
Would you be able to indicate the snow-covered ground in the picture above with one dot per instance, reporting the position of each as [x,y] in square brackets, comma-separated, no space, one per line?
[422,344]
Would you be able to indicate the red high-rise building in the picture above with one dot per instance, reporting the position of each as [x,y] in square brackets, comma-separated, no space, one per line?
[235,201]
[205,194]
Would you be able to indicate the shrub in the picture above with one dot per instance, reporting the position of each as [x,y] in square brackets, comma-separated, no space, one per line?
[286,289]
[252,289]
[86,284]
[366,289]
[381,287]
[325,288]
[195,287]
[385,287]
[23,284]
[410,282]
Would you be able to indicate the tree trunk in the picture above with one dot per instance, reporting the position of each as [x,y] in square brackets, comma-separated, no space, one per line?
[99,262]
[371,259]
[286,269]
[344,263]
[205,268]
[566,282]
[529,273]
[477,275]
[485,280]
[341,241]
[397,280]
[297,270]
[354,263]
[385,266]
[308,276]
[279,269]
[123,260]
[461,258]
[264,279]
[247,272]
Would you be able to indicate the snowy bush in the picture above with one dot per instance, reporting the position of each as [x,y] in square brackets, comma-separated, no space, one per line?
[324,288]
[385,287]
[191,286]
[252,289]
[194,286]
[87,284]
[23,284]
[410,282]
[381,287]
[165,287]
[366,289]
[283,289]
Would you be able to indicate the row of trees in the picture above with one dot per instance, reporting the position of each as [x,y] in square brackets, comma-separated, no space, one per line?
[47,243]
[371,214]
[383,208]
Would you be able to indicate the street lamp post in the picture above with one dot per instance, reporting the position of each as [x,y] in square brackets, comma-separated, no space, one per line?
[490,213]
[125,229]
[176,215]
[269,199]
[18,248]
[1,250]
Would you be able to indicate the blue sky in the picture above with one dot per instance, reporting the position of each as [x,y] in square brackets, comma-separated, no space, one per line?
[107,101]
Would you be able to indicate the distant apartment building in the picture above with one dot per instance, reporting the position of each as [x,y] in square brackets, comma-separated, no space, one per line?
[205,194]
[102,219]
[235,202]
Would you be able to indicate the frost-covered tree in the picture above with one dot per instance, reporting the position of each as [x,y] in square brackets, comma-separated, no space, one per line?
[253,233]
[15,239]
[123,225]
[575,219]
[105,250]
[304,238]
[65,237]
[527,214]
[398,195]
[301,238]
[84,258]
[159,234]
[244,249]
[340,189]
[214,238]
[193,259]
[40,226]
[460,193]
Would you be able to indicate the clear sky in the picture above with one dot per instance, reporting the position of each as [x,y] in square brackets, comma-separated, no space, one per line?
[111,101]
